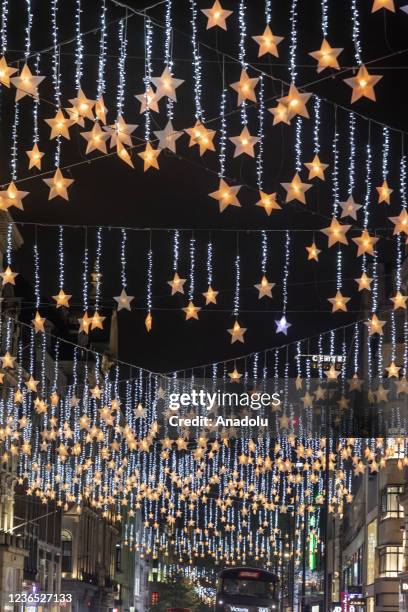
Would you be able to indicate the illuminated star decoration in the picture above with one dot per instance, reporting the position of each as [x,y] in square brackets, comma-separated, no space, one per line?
[313,252]
[234,375]
[365,243]
[296,189]
[296,102]
[58,185]
[149,156]
[282,325]
[6,72]
[83,106]
[237,333]
[349,208]
[245,87]
[268,202]
[120,132]
[393,370]
[124,300]
[399,300]
[316,168]
[364,282]
[336,232]
[96,139]
[62,299]
[177,284]
[339,302]
[400,222]
[264,288]
[363,84]
[101,110]
[326,56]
[199,135]
[226,195]
[8,276]
[168,137]
[244,143]
[383,4]
[148,101]
[375,326]
[97,321]
[12,197]
[210,296]
[280,114]
[34,156]
[166,85]
[38,323]
[216,16]
[384,193]
[59,125]
[84,323]
[268,42]
[26,84]
[191,311]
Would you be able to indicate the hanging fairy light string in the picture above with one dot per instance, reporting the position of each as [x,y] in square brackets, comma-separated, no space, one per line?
[4,23]
[148,74]
[79,53]
[282,325]
[242,52]
[401,247]
[56,73]
[293,76]
[335,194]
[199,112]
[61,258]
[191,286]
[325,17]
[14,142]
[264,253]
[149,303]
[316,125]
[98,275]
[28,29]
[36,260]
[168,51]
[261,134]
[123,258]
[268,11]
[352,153]
[85,272]
[120,98]
[176,249]
[223,125]
[102,52]
[355,18]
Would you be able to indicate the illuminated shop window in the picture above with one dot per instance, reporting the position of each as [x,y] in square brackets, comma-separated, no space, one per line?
[390,506]
[391,561]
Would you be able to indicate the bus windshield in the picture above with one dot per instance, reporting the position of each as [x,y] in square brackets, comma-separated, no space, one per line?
[251,588]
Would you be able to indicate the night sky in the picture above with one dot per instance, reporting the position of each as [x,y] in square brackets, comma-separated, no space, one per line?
[106,192]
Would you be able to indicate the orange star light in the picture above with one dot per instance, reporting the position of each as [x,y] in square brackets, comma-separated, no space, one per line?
[316,168]
[199,135]
[296,189]
[384,193]
[339,302]
[149,156]
[336,232]
[326,56]
[216,16]
[296,102]
[383,4]
[268,202]
[365,243]
[245,87]
[313,252]
[226,195]
[268,42]
[244,143]
[363,84]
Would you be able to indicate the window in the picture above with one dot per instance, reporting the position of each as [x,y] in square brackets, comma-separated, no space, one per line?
[391,561]
[118,557]
[390,506]
[371,546]
[66,549]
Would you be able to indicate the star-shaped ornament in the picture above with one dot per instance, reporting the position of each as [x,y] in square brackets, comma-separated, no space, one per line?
[84,323]
[244,143]
[339,302]
[245,87]
[296,189]
[8,276]
[383,4]
[349,208]
[177,284]
[363,84]
[296,102]
[336,232]
[235,376]
[148,101]
[216,16]
[34,156]
[123,154]
[384,193]
[149,156]
[97,321]
[83,105]
[199,135]
[210,296]
[282,325]
[121,132]
[264,288]
[96,139]
[268,42]
[101,110]
[59,125]
[316,168]
[313,252]
[375,326]
[26,83]
[401,385]
[280,114]
[364,282]
[399,300]
[7,361]
[58,185]
[166,85]
[226,195]
[326,56]
[268,202]
[6,72]
[237,333]
[191,311]
[393,370]
[12,197]
[400,222]
[332,373]
[124,300]
[32,384]
[168,137]
[62,299]
[38,323]
[149,322]
[365,243]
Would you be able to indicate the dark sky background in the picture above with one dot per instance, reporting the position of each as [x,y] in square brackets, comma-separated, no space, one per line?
[107,192]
